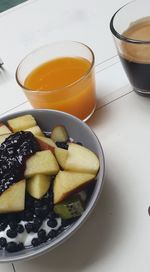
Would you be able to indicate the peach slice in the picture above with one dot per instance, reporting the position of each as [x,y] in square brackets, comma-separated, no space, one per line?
[13,199]
[46,143]
[42,162]
[81,159]
[67,182]
[59,134]
[3,137]
[36,131]
[38,185]
[4,129]
[61,156]
[22,122]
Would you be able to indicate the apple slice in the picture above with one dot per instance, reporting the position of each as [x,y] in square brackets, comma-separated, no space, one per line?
[13,199]
[61,156]
[81,159]
[36,131]
[66,183]
[46,143]
[59,134]
[22,123]
[4,129]
[38,185]
[42,162]
[3,137]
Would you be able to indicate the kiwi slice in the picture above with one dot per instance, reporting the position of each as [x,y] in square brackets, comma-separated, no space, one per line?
[70,208]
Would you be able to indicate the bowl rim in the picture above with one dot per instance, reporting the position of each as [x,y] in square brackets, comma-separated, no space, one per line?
[91,205]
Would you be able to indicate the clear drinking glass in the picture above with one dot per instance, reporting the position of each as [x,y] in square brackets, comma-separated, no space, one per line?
[130,26]
[77,98]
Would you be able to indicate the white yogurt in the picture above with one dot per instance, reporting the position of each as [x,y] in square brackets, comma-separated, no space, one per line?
[25,237]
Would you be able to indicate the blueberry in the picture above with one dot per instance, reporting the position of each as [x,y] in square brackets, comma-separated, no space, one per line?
[42,236]
[29,202]
[52,223]
[51,215]
[3,226]
[52,234]
[20,228]
[2,217]
[63,145]
[21,216]
[51,201]
[20,246]
[28,216]
[45,201]
[11,233]
[41,233]
[3,242]
[79,143]
[42,212]
[45,210]
[51,207]
[11,247]
[18,218]
[37,203]
[10,217]
[38,212]
[29,227]
[13,225]
[43,240]
[35,228]
[67,222]
[37,221]
[36,224]
[35,242]
[14,218]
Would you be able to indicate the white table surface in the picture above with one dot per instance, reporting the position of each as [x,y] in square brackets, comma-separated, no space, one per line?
[116,237]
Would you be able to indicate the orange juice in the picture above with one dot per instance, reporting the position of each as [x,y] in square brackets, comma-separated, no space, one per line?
[65,84]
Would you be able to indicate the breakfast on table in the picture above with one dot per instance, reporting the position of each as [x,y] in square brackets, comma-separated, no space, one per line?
[50,179]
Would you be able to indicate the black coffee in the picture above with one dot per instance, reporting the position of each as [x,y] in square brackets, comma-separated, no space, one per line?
[138,74]
[135,57]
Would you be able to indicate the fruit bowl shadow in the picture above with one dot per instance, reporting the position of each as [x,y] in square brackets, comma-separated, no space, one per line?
[80,132]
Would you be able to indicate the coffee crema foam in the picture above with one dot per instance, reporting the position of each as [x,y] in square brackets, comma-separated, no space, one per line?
[135,52]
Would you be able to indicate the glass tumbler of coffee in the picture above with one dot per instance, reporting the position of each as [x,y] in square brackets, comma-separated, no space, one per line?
[130,26]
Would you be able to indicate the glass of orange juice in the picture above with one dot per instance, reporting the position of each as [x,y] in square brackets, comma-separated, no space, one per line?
[60,76]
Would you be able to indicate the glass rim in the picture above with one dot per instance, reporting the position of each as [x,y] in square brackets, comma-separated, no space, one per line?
[60,88]
[120,36]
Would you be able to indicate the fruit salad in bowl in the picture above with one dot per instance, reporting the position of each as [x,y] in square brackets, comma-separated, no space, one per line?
[51,174]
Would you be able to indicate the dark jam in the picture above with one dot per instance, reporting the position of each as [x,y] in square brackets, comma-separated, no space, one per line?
[14,152]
